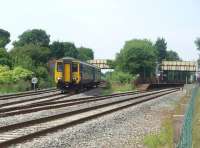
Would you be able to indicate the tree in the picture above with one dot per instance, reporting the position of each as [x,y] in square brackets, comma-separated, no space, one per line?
[197,42]
[63,49]
[36,36]
[85,54]
[172,56]
[57,50]
[4,38]
[137,57]
[161,47]
[30,56]
[4,57]
[70,50]
[111,64]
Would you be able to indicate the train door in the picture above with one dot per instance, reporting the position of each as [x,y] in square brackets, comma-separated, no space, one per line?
[67,72]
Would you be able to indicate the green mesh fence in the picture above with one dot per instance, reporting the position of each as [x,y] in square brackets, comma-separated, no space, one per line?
[186,133]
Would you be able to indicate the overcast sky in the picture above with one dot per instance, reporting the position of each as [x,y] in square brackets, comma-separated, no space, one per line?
[104,25]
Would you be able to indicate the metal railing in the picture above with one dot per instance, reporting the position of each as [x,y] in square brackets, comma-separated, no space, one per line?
[186,133]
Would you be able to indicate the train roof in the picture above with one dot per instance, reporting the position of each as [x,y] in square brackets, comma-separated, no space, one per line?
[70,59]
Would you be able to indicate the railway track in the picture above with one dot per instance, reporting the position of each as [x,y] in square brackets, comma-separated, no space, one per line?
[40,99]
[48,104]
[55,103]
[19,100]
[19,132]
[24,94]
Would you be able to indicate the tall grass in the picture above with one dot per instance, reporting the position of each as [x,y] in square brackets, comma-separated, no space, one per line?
[21,85]
[118,81]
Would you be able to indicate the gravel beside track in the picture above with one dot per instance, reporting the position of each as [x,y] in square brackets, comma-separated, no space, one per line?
[28,99]
[60,101]
[36,115]
[41,114]
[125,128]
[87,114]
[28,93]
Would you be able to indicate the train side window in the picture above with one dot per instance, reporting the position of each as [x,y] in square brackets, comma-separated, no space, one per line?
[59,67]
[74,67]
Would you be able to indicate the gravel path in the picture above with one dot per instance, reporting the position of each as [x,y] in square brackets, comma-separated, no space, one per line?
[124,128]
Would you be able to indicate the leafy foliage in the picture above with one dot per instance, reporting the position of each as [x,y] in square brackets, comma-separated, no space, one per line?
[21,85]
[10,76]
[197,42]
[57,49]
[19,73]
[4,57]
[118,81]
[41,72]
[111,64]
[85,54]
[4,38]
[137,57]
[172,56]
[119,77]
[33,54]
[3,68]
[62,49]
[161,47]
[36,36]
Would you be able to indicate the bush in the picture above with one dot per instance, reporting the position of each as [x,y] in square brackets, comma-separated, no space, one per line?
[119,77]
[46,83]
[8,76]
[21,85]
[4,68]
[20,73]
[118,81]
[41,72]
[14,80]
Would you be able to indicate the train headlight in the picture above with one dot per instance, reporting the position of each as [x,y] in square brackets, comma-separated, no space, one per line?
[59,78]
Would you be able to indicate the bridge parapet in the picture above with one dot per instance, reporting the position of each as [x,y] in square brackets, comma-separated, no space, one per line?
[101,63]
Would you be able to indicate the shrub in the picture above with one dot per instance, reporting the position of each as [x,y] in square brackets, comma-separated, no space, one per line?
[20,73]
[21,85]
[120,77]
[12,76]
[45,83]
[4,68]
[41,72]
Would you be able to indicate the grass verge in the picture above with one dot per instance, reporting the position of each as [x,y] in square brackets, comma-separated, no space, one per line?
[196,123]
[117,87]
[15,87]
[164,139]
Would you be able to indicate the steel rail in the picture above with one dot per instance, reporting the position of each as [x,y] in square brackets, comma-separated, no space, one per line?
[25,94]
[64,120]
[59,104]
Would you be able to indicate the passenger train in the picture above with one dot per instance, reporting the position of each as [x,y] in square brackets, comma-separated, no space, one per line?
[74,75]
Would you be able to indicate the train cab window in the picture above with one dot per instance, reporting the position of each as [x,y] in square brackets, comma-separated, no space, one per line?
[74,67]
[59,67]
